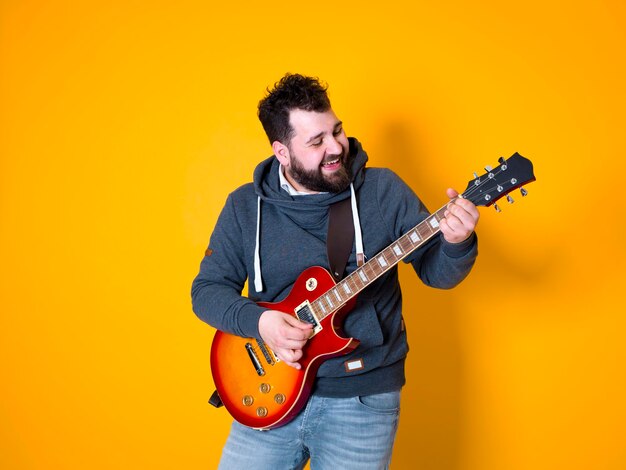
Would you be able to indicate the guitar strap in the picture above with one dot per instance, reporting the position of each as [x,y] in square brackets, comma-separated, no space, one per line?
[340,238]
[215,400]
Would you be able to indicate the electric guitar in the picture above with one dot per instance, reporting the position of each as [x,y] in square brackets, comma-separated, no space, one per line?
[262,392]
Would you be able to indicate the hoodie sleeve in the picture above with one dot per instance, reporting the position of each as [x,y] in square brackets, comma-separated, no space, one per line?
[445,265]
[438,263]
[216,290]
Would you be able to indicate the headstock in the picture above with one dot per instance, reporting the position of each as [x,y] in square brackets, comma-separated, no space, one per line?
[498,182]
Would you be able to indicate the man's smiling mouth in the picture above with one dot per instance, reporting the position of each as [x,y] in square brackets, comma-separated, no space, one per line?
[330,162]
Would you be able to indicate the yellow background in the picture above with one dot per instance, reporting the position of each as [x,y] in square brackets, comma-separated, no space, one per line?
[124,125]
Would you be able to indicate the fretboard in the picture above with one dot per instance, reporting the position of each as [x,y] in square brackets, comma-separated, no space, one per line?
[375,267]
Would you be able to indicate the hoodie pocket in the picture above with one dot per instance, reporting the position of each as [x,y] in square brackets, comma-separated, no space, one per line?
[363,324]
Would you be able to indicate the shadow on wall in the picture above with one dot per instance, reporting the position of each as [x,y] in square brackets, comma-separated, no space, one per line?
[398,147]
[428,436]
[431,422]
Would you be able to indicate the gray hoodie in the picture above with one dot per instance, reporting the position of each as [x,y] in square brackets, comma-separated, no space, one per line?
[288,233]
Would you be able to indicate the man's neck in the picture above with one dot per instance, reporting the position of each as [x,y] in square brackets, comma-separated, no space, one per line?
[288,185]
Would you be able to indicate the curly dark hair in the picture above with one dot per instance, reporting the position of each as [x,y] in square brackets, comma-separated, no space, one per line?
[293,91]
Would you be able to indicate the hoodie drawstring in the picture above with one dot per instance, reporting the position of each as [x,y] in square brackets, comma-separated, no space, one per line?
[258,280]
[358,239]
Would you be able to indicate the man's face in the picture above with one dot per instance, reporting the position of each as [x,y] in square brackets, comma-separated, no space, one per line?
[317,158]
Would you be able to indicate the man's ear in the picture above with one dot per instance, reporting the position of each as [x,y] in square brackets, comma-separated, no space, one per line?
[282,152]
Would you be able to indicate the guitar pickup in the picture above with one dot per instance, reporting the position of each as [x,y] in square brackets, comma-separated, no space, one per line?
[305,314]
[255,359]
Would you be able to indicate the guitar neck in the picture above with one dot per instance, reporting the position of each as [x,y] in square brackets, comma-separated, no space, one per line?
[484,190]
[358,280]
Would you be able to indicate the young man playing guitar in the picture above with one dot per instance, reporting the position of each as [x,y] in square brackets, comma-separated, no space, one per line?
[272,230]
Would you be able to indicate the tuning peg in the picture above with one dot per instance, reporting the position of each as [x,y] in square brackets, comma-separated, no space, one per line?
[475,175]
[501,160]
[510,199]
[488,168]
[523,191]
[497,208]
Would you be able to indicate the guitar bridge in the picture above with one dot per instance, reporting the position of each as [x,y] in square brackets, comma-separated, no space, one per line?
[305,314]
[267,352]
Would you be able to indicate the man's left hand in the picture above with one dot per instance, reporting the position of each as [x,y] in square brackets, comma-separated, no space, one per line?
[460,219]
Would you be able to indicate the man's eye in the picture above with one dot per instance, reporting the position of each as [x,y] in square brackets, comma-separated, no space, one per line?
[317,144]
[338,131]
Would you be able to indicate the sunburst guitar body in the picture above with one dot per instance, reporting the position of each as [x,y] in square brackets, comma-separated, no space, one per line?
[259,390]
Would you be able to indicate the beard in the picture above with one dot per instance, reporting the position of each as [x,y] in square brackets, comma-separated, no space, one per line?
[316,180]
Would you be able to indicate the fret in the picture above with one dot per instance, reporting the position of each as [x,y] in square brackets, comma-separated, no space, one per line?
[406,244]
[390,256]
[346,287]
[434,223]
[424,231]
[329,301]
[373,270]
[355,282]
[382,261]
[315,310]
[398,250]
[337,295]
[360,279]
[414,236]
[319,301]
[358,283]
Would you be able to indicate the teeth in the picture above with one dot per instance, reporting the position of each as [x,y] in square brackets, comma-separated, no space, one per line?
[332,162]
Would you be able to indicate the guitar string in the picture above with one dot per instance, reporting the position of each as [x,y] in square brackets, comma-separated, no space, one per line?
[466,194]
[495,173]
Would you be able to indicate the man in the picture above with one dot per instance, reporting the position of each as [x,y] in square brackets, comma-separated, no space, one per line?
[270,230]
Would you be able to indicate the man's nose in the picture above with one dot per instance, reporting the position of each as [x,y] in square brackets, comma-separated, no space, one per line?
[334,147]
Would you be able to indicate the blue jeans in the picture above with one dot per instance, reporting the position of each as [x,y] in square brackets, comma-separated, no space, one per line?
[334,433]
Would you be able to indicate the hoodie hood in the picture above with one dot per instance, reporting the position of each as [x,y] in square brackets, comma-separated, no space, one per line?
[267,185]
[309,210]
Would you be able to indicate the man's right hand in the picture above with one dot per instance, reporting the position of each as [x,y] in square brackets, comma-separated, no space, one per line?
[285,335]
